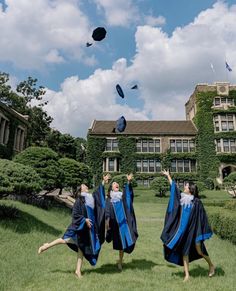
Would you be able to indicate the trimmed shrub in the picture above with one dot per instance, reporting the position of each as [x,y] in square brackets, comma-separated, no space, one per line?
[74,174]
[160,185]
[231,178]
[209,183]
[45,163]
[18,179]
[201,186]
[223,222]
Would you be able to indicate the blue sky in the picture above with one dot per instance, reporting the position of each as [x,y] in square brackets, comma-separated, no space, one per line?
[166,47]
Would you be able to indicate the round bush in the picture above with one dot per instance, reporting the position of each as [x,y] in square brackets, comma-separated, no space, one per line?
[45,162]
[18,179]
[160,185]
[209,183]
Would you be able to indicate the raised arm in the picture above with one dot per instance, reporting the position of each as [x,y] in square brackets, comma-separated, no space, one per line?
[174,192]
[167,174]
[129,191]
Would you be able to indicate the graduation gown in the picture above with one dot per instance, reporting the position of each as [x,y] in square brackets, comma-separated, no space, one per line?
[184,227]
[122,222]
[79,236]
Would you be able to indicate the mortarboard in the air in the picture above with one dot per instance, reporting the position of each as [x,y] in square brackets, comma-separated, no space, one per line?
[121,124]
[120,91]
[88,44]
[135,87]
[99,33]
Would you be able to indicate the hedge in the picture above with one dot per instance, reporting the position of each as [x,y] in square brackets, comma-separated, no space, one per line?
[223,223]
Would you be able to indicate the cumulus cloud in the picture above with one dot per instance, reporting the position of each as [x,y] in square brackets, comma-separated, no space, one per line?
[40,32]
[80,101]
[118,12]
[167,69]
[154,21]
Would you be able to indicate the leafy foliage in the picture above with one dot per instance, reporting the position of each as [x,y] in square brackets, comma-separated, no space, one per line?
[127,148]
[74,174]
[45,163]
[160,186]
[95,148]
[18,179]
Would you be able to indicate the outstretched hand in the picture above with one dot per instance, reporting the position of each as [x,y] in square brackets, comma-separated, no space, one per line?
[165,172]
[106,178]
[130,177]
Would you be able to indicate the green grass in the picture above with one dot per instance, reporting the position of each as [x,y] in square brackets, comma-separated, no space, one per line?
[145,269]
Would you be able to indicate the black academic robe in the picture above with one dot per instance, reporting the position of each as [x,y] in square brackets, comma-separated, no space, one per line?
[100,205]
[122,229]
[79,236]
[184,227]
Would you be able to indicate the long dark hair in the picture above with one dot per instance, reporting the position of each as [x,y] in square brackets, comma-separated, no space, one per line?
[193,189]
[78,192]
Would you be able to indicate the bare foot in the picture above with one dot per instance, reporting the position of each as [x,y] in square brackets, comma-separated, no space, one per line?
[186,278]
[211,271]
[119,265]
[78,274]
[43,248]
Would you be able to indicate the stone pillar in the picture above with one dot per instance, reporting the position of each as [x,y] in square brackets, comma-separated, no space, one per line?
[107,163]
[115,164]
[2,130]
[6,135]
[22,138]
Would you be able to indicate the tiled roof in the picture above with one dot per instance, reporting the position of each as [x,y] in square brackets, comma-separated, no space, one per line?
[175,127]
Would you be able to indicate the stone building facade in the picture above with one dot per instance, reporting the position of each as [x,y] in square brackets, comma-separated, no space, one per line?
[13,131]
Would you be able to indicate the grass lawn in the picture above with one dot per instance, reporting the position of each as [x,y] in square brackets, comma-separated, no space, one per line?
[145,269]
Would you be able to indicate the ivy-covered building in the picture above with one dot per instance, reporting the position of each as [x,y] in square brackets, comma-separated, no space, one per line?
[202,146]
[13,131]
[213,110]
[144,148]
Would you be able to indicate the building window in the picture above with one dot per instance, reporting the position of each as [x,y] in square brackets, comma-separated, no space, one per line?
[148,146]
[225,145]
[224,122]
[111,164]
[182,145]
[218,101]
[148,166]
[183,166]
[112,145]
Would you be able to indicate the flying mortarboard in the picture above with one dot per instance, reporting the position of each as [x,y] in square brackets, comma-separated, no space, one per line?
[135,87]
[120,91]
[121,124]
[99,33]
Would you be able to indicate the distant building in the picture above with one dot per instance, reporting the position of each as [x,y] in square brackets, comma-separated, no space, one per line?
[155,138]
[13,131]
[223,110]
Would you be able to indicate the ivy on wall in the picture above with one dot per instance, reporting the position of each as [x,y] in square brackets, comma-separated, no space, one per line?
[206,154]
[227,158]
[127,148]
[95,149]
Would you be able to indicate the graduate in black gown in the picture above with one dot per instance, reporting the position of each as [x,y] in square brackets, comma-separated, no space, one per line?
[186,228]
[120,219]
[86,233]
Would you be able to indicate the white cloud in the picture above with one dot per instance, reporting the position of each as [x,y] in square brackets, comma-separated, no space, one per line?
[80,101]
[154,21]
[118,12]
[34,33]
[167,68]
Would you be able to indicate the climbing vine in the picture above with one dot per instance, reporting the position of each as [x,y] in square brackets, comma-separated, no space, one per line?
[127,148]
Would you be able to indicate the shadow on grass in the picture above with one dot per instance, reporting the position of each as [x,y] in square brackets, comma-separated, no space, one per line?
[112,268]
[26,223]
[201,272]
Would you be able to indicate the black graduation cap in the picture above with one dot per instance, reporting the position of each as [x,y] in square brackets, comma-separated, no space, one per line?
[99,33]
[121,124]
[88,44]
[135,87]
[120,91]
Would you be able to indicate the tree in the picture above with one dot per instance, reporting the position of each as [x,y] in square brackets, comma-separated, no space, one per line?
[160,186]
[19,179]
[74,174]
[39,120]
[45,163]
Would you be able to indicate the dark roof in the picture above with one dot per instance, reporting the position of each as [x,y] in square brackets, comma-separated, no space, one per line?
[174,127]
[23,118]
